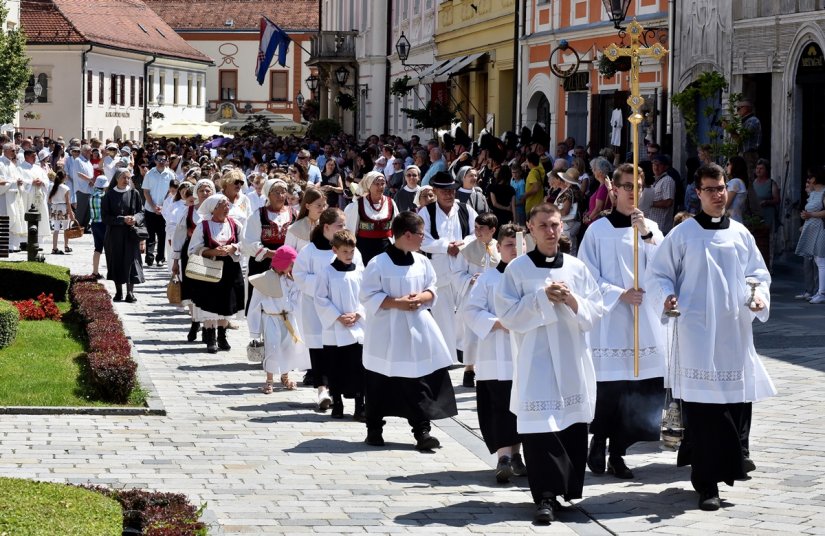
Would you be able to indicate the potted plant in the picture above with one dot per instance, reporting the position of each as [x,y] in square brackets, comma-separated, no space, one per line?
[345,101]
[608,68]
[400,86]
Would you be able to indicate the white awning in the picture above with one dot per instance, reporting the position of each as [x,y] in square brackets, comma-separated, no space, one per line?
[426,76]
[455,66]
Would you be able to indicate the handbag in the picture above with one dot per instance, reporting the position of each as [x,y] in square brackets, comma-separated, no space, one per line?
[140,232]
[201,268]
[173,291]
[75,230]
[255,351]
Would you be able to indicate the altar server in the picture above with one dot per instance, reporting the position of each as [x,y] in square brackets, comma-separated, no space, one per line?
[405,354]
[628,407]
[704,267]
[549,300]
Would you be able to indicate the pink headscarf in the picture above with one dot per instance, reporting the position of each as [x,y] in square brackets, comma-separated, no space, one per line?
[283,258]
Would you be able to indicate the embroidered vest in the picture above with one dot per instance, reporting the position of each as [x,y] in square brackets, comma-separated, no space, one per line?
[272,236]
[210,242]
[369,228]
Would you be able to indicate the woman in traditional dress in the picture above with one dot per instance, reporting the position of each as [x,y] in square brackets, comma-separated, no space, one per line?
[122,210]
[370,216]
[218,237]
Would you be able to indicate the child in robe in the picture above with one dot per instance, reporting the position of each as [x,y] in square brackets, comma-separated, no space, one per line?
[342,316]
[272,313]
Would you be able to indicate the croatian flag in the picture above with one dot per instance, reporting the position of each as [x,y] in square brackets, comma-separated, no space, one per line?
[272,39]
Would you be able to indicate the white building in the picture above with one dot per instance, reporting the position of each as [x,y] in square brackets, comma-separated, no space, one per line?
[218,29]
[12,23]
[111,75]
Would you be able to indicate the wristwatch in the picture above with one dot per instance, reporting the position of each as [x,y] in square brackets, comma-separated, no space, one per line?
[647,236]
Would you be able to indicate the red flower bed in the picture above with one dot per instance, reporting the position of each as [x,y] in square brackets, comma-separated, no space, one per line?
[44,307]
[155,513]
[112,370]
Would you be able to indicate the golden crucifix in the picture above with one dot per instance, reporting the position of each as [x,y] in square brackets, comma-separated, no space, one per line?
[635,51]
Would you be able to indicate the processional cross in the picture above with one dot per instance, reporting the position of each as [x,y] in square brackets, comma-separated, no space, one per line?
[635,51]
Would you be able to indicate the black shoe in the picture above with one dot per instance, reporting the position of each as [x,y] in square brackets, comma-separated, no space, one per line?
[748,465]
[545,512]
[504,470]
[203,334]
[130,298]
[211,341]
[469,380]
[98,277]
[709,501]
[149,262]
[617,468]
[223,344]
[308,380]
[193,331]
[118,297]
[424,441]
[596,455]
[519,469]
[360,413]
[337,410]
[374,438]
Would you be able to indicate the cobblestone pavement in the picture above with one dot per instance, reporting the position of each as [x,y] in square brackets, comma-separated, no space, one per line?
[271,465]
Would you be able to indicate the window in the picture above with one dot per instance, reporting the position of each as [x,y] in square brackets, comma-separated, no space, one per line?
[228,81]
[31,95]
[175,86]
[101,87]
[122,87]
[198,95]
[90,86]
[113,90]
[189,92]
[132,91]
[278,86]
[162,85]
[99,135]
[141,93]
[151,87]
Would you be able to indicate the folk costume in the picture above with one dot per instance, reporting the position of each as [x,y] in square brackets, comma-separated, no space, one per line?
[716,371]
[337,291]
[628,408]
[405,355]
[440,229]
[494,363]
[371,224]
[554,384]
[298,233]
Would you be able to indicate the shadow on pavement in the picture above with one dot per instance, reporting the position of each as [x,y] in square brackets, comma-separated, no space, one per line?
[472,513]
[276,406]
[656,507]
[316,445]
[484,478]
[652,473]
[220,367]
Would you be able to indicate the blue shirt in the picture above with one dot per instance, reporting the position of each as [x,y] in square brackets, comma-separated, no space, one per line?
[81,185]
[314,174]
[157,182]
[438,165]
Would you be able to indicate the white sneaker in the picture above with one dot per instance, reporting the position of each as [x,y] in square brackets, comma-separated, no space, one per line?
[803,296]
[324,400]
[819,298]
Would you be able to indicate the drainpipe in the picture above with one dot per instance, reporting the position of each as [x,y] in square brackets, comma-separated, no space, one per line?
[83,91]
[671,18]
[146,95]
[518,31]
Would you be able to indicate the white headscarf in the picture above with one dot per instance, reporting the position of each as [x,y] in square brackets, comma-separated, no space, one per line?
[200,183]
[366,182]
[268,185]
[416,199]
[208,206]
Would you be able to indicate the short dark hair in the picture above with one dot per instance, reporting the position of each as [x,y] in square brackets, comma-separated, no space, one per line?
[709,171]
[544,208]
[627,169]
[343,237]
[533,158]
[406,221]
[487,219]
[509,230]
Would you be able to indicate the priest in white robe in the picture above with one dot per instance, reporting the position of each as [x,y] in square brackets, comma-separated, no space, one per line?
[704,267]
[37,193]
[405,354]
[549,301]
[628,407]
[12,196]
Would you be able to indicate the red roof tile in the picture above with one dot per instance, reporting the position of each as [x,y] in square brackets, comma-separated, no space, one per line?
[291,15]
[125,24]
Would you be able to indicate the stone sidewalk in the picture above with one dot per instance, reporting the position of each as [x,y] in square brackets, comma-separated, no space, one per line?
[271,465]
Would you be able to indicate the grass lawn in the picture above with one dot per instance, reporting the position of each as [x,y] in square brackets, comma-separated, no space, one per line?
[39,508]
[46,367]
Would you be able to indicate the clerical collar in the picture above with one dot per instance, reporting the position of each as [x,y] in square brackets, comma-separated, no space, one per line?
[618,220]
[321,242]
[399,257]
[542,261]
[710,222]
[501,266]
[341,267]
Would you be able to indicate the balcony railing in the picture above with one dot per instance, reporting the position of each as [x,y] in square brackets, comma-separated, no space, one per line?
[278,107]
[333,46]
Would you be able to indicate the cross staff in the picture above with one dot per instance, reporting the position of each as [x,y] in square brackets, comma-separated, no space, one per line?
[635,51]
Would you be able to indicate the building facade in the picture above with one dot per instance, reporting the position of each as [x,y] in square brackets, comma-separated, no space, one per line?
[581,105]
[220,30]
[13,23]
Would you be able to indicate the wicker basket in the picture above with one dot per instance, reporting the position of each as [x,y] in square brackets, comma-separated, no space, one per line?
[74,230]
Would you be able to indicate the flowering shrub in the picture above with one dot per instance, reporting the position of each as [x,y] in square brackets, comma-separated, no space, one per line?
[43,308]
[111,368]
[156,513]
[9,320]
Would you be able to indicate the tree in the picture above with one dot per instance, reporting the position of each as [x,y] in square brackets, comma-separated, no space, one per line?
[14,68]
[256,125]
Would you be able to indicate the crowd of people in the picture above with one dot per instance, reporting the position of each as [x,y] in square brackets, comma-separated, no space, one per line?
[378,267]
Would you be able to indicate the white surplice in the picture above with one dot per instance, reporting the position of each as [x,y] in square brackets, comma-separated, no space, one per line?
[12,201]
[607,252]
[337,293]
[475,258]
[407,344]
[30,173]
[554,384]
[298,233]
[494,358]
[706,270]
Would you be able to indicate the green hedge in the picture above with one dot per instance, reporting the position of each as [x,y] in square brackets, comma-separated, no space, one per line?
[9,319]
[26,280]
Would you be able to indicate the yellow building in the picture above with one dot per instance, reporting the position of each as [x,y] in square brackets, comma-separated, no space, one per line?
[474,50]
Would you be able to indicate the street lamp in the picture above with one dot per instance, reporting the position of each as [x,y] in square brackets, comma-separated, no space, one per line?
[341,75]
[312,82]
[616,11]
[402,46]
[300,100]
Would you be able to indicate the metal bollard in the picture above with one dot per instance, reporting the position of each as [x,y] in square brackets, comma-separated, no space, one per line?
[32,217]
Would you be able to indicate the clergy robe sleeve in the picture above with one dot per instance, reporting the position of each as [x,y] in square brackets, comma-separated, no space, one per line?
[179,236]
[519,312]
[662,271]
[461,273]
[477,314]
[328,313]
[302,271]
[756,269]
[589,299]
[372,290]
[254,320]
[351,218]
[591,256]
[251,244]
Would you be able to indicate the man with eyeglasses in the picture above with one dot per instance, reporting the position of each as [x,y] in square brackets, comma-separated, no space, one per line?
[705,267]
[664,194]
